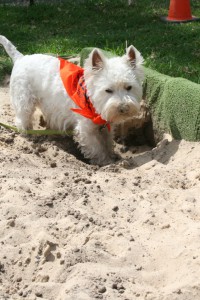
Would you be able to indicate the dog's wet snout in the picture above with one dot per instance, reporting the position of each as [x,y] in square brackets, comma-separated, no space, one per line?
[123,108]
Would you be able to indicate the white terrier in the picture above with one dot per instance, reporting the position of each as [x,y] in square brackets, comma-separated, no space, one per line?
[92,100]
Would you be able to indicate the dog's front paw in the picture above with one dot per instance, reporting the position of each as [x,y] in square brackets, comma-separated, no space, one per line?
[111,159]
[116,157]
[102,163]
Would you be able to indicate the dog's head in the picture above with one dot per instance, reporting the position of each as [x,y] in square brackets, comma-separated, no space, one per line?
[115,84]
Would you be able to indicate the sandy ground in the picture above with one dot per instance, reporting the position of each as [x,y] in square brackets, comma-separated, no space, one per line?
[72,231]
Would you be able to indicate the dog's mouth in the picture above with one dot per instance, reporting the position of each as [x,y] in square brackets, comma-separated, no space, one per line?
[121,118]
[122,112]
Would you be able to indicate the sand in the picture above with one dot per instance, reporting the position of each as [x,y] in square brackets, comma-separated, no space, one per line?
[73,231]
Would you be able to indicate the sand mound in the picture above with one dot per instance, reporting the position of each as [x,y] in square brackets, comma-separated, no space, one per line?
[72,231]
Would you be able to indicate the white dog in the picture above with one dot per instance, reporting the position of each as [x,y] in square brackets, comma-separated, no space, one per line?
[106,92]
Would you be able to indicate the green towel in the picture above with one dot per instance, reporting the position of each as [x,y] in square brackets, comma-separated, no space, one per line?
[174,103]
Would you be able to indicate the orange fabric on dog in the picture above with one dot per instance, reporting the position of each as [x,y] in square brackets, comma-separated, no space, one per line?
[73,80]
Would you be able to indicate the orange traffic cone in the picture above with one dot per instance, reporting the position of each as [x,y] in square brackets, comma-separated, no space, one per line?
[179,11]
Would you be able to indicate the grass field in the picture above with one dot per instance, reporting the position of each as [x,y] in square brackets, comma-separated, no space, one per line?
[67,28]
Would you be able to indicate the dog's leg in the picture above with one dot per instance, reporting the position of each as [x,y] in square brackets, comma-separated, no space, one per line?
[23,102]
[95,144]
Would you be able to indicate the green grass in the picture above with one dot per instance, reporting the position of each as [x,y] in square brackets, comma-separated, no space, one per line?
[67,28]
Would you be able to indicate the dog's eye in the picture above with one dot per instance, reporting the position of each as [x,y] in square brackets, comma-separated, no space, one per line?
[109,91]
[128,88]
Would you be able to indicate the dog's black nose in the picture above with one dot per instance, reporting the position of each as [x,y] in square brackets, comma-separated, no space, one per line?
[123,109]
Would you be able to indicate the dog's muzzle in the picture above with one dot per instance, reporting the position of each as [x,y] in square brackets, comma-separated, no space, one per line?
[123,108]
[132,107]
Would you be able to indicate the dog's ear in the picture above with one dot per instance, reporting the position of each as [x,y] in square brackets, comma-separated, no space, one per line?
[97,59]
[133,56]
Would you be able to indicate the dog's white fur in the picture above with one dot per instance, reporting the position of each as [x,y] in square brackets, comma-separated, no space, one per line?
[114,86]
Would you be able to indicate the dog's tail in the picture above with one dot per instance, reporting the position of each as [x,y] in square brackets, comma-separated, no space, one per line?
[10,48]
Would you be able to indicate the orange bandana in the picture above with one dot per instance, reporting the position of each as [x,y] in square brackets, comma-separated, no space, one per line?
[73,80]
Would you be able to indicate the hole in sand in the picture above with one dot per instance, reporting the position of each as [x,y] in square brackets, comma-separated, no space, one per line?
[136,135]
[132,137]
